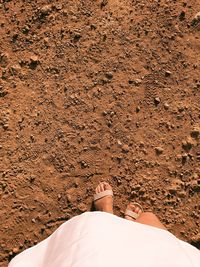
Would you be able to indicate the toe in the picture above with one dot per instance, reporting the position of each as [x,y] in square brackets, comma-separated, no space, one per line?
[107,186]
[98,189]
[101,187]
[136,209]
[139,212]
[132,206]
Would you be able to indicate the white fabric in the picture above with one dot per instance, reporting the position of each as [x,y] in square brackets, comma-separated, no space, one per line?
[98,239]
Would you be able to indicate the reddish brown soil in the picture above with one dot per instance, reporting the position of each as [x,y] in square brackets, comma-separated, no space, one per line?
[91,91]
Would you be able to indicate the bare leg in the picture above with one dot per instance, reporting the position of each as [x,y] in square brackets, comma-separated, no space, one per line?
[147,218]
[151,219]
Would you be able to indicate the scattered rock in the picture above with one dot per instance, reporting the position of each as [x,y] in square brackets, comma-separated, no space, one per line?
[195,239]
[83,164]
[4,185]
[185,158]
[176,188]
[168,73]
[135,82]
[195,215]
[187,144]
[119,143]
[112,113]
[157,101]
[195,176]
[15,69]
[137,124]
[109,75]
[109,123]
[181,108]
[159,150]
[26,29]
[195,185]
[2,92]
[172,190]
[5,126]
[45,10]
[82,207]
[21,246]
[181,194]
[125,148]
[69,198]
[137,109]
[77,36]
[46,40]
[104,3]
[4,57]
[166,106]
[34,60]
[195,132]
[15,250]
[141,144]
[58,6]
[135,187]
[196,19]
[32,179]
[182,15]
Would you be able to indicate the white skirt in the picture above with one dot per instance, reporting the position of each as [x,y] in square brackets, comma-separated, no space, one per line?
[99,239]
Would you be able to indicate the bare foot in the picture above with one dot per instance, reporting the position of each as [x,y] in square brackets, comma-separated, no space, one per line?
[134,208]
[105,203]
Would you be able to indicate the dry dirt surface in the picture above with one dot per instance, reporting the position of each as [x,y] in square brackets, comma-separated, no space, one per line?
[91,91]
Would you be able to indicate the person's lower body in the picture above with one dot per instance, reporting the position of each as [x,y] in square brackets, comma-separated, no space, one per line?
[105,204]
[102,239]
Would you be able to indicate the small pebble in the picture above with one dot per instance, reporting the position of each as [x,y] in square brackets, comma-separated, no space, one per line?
[69,197]
[109,75]
[119,143]
[159,150]
[184,158]
[182,15]
[125,148]
[187,144]
[168,73]
[82,207]
[137,82]
[15,250]
[196,19]
[157,101]
[137,109]
[34,59]
[195,132]
[45,10]
[166,106]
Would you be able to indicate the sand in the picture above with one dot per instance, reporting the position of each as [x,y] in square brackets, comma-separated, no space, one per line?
[93,91]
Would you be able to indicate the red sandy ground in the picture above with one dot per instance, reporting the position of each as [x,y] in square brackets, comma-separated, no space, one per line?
[91,91]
